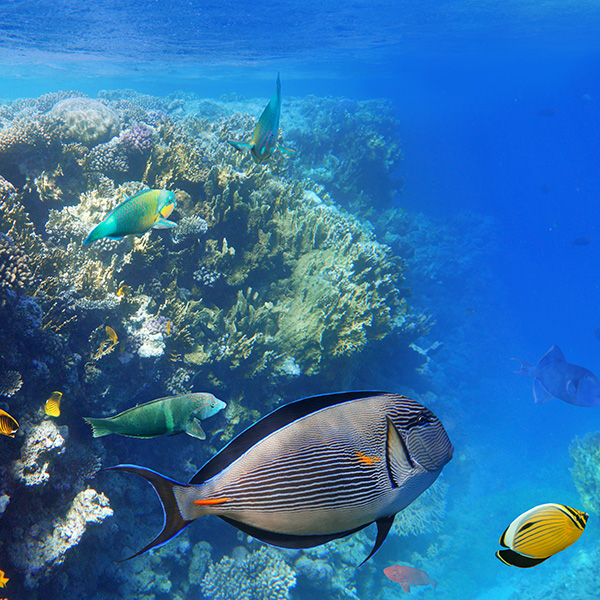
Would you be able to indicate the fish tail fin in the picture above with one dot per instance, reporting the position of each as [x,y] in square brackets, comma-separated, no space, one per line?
[165,488]
[526,369]
[100,427]
[241,146]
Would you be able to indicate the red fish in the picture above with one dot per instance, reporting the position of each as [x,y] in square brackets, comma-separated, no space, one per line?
[407,576]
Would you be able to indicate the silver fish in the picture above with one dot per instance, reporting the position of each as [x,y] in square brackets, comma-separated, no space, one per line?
[313,471]
[556,378]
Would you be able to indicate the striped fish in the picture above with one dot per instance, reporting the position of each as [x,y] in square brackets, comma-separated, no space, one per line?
[8,424]
[136,215]
[540,533]
[313,471]
[264,140]
[52,406]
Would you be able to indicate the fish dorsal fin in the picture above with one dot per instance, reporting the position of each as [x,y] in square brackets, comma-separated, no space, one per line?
[383,528]
[398,460]
[282,416]
[289,541]
[114,210]
[553,355]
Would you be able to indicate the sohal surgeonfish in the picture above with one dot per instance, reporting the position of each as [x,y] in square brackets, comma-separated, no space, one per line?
[540,533]
[556,378]
[173,414]
[407,576]
[313,471]
[136,215]
[266,132]
[8,424]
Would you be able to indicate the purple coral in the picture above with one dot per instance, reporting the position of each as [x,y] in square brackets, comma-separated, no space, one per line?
[137,140]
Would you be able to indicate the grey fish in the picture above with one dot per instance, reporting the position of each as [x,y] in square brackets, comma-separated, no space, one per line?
[172,414]
[556,378]
[313,471]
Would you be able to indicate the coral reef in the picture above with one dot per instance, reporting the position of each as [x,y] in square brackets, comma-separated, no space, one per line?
[41,551]
[585,454]
[261,575]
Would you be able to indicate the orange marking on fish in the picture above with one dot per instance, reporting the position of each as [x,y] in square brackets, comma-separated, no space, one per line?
[367,460]
[211,501]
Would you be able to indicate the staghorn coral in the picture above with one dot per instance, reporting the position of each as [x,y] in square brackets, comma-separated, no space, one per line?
[40,552]
[261,575]
[43,443]
[585,454]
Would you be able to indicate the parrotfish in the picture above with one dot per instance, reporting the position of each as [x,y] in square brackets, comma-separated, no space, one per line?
[266,132]
[173,414]
[52,406]
[8,424]
[312,471]
[136,215]
[407,576]
[556,378]
[540,533]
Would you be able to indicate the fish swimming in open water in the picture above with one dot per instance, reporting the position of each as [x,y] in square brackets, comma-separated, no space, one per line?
[556,378]
[539,533]
[312,471]
[172,414]
[8,424]
[407,576]
[266,132]
[136,215]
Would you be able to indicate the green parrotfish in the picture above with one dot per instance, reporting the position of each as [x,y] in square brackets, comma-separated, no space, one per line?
[266,132]
[313,471]
[173,414]
[136,215]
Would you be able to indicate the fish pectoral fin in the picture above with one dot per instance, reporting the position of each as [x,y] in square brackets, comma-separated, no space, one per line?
[514,559]
[383,528]
[405,587]
[540,394]
[286,150]
[398,461]
[162,223]
[241,146]
[571,388]
[194,428]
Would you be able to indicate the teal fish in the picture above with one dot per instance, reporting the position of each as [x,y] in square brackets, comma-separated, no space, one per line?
[136,215]
[266,132]
[173,414]
[313,471]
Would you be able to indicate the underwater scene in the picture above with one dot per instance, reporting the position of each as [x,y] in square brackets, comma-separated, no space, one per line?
[325,275]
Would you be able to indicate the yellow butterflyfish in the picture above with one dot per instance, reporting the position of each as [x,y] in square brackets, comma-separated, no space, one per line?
[112,335]
[124,291]
[3,580]
[52,406]
[8,426]
[169,324]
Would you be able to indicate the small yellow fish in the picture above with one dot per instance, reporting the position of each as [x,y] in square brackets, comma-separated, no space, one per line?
[8,426]
[112,335]
[52,406]
[3,580]
[124,291]
[169,323]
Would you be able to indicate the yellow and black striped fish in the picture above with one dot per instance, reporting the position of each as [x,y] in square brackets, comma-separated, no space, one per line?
[8,424]
[540,533]
[313,471]
[52,406]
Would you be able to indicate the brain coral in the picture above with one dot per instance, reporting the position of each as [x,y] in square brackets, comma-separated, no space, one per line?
[87,121]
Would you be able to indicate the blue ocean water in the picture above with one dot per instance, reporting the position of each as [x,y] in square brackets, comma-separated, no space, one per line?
[498,105]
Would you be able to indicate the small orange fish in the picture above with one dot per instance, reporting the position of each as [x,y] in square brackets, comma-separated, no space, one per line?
[124,291]
[112,335]
[3,580]
[52,406]
[169,324]
[8,427]
[407,576]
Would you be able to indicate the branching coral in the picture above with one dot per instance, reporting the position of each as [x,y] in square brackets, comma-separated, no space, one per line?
[262,575]
[585,454]
[425,515]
